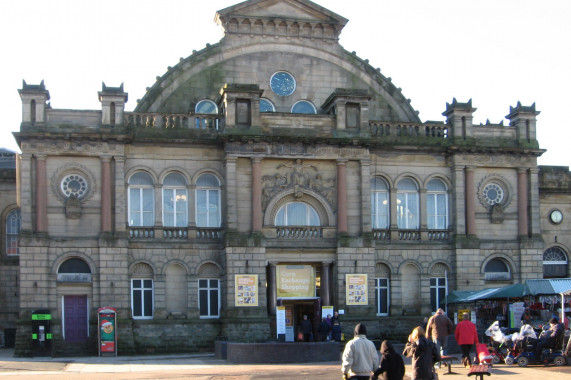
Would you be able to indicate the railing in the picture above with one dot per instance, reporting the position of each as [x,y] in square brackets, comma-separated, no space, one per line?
[386,129]
[438,235]
[301,232]
[181,121]
[382,235]
[176,233]
[209,233]
[142,232]
[409,235]
[412,235]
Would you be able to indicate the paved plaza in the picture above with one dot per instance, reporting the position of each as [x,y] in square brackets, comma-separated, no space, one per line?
[206,366]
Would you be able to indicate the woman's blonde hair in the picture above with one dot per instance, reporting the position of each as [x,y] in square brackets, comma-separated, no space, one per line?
[417,333]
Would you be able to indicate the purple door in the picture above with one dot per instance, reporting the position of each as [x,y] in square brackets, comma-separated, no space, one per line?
[75,318]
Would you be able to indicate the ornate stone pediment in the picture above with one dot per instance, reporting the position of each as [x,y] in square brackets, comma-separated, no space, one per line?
[292,18]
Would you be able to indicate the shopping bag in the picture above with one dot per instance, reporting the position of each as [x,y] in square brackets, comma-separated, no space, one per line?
[484,355]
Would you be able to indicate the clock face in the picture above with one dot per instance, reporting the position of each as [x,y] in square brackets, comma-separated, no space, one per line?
[556,216]
[282,83]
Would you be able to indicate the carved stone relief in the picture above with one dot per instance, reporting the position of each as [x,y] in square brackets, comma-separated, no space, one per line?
[297,175]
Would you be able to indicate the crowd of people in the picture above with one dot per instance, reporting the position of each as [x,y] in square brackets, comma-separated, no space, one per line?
[426,346]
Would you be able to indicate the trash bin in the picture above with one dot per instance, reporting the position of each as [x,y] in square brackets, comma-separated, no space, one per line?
[41,331]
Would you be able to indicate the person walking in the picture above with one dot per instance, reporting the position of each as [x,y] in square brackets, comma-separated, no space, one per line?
[360,356]
[392,365]
[466,336]
[424,355]
[306,329]
[438,328]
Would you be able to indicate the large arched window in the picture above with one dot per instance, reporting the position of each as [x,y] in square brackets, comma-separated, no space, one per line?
[175,201]
[497,270]
[208,201]
[437,205]
[380,204]
[297,214]
[554,263]
[13,232]
[407,205]
[141,200]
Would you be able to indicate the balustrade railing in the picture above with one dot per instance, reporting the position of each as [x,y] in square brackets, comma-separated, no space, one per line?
[382,234]
[301,232]
[410,235]
[386,129]
[438,235]
[184,121]
[176,233]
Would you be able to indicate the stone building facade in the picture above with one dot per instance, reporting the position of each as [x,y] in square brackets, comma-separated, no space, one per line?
[273,169]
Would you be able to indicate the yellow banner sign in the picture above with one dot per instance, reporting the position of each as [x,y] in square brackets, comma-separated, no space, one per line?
[356,289]
[246,289]
[295,281]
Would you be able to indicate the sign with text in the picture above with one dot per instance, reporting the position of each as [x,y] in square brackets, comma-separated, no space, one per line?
[246,289]
[356,289]
[295,281]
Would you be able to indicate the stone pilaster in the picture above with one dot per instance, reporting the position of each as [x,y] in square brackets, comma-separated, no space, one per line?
[41,194]
[342,196]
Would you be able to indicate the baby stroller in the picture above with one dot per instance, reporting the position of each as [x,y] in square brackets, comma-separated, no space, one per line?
[507,348]
[500,345]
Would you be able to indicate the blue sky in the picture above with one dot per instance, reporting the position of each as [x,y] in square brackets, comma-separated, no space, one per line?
[493,52]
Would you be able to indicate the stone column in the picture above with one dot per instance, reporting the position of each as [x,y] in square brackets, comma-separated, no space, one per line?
[272,293]
[325,284]
[470,202]
[256,194]
[121,186]
[458,211]
[231,206]
[423,215]
[41,194]
[535,217]
[24,173]
[342,196]
[366,195]
[522,224]
[106,194]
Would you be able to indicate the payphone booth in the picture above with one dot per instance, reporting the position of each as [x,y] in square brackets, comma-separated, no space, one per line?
[107,331]
[41,332]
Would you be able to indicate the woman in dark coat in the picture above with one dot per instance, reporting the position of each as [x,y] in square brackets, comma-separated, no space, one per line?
[424,354]
[392,365]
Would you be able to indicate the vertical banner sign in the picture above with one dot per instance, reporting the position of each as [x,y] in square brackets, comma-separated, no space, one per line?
[107,330]
[246,289]
[295,281]
[356,289]
[281,321]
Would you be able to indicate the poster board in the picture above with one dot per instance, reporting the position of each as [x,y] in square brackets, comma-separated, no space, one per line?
[356,290]
[246,290]
[107,331]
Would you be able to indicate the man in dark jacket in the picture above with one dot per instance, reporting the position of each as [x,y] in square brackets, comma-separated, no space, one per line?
[438,328]
[392,365]
[551,338]
[323,330]
[306,329]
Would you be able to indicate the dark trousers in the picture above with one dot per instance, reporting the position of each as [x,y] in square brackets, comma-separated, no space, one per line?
[466,349]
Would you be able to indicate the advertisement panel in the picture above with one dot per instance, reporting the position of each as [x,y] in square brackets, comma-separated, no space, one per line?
[356,289]
[295,281]
[107,331]
[246,290]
